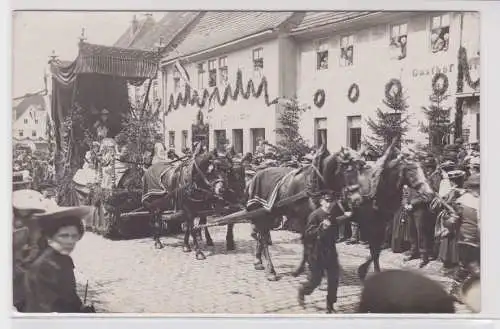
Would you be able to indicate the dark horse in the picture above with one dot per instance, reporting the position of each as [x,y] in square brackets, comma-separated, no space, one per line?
[186,188]
[337,172]
[382,199]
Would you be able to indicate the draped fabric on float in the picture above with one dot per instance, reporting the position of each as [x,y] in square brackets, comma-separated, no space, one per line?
[97,79]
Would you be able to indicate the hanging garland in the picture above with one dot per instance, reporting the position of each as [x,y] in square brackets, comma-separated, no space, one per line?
[192,97]
[464,72]
[319,98]
[353,97]
[435,88]
[389,87]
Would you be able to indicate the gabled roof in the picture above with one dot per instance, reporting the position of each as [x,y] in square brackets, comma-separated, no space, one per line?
[35,100]
[215,28]
[316,19]
[128,38]
[167,29]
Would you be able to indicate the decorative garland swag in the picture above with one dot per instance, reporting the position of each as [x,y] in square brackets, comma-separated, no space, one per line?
[354,88]
[435,88]
[192,97]
[319,98]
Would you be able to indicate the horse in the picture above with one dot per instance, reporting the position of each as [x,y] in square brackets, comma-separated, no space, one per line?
[186,187]
[337,172]
[382,199]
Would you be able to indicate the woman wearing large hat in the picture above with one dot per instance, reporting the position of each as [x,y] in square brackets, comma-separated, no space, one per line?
[50,284]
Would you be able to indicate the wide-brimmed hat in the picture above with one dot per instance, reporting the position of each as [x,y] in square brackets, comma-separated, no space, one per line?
[454,174]
[29,200]
[56,217]
[447,165]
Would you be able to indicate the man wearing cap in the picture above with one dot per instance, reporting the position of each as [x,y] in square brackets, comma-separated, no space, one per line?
[50,284]
[319,240]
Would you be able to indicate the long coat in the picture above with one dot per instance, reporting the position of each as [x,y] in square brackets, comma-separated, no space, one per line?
[50,285]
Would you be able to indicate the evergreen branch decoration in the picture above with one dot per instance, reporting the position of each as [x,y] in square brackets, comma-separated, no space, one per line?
[353,93]
[464,72]
[319,98]
[192,97]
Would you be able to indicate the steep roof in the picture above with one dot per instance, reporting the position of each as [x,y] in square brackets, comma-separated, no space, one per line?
[128,38]
[26,103]
[167,29]
[315,19]
[218,27]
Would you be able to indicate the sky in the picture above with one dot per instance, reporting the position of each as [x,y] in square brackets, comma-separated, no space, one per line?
[37,34]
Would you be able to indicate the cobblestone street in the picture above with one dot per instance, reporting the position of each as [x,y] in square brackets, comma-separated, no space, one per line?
[131,276]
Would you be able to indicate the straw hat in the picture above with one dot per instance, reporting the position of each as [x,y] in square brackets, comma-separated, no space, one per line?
[28,200]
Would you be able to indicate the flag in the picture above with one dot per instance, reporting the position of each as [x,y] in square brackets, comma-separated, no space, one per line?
[183,72]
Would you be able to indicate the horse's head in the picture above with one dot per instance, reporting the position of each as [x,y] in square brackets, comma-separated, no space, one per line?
[211,171]
[341,174]
[402,170]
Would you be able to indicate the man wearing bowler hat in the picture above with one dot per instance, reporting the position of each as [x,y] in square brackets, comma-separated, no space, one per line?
[319,238]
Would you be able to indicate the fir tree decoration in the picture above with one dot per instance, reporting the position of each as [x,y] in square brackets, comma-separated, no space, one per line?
[290,138]
[391,123]
[438,126]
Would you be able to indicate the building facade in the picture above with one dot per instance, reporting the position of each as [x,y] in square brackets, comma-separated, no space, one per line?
[29,126]
[354,62]
[342,64]
[224,54]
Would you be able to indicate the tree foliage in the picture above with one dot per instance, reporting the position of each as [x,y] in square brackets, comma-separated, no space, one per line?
[388,124]
[290,137]
[438,126]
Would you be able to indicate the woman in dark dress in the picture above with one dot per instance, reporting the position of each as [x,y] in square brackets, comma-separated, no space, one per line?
[50,284]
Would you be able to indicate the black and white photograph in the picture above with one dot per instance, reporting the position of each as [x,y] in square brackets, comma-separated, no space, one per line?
[246,162]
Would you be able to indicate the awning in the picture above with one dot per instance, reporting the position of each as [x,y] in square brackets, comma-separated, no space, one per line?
[119,62]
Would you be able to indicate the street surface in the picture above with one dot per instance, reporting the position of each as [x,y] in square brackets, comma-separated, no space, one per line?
[131,276]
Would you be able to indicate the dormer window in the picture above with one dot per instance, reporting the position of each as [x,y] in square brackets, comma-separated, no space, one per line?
[258,61]
[440,33]
[322,55]
[201,75]
[212,73]
[25,121]
[177,80]
[347,50]
[223,70]
[399,39]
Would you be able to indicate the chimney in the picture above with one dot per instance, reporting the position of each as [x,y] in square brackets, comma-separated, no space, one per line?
[135,25]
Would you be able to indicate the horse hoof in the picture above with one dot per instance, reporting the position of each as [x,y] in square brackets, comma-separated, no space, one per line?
[200,256]
[272,277]
[297,272]
[258,266]
[186,249]
[230,246]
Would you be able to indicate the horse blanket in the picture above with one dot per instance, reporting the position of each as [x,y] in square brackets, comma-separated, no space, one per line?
[263,190]
[163,178]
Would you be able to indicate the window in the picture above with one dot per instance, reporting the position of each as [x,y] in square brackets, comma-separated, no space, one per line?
[440,33]
[137,92]
[201,75]
[177,80]
[184,139]
[220,140]
[171,139]
[21,133]
[258,61]
[223,70]
[33,133]
[212,73]
[354,132]
[320,132]
[25,121]
[257,134]
[238,140]
[322,55]
[347,50]
[36,121]
[399,37]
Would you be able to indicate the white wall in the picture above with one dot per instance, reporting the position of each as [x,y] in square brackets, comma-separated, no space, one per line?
[33,120]
[239,114]
[372,69]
